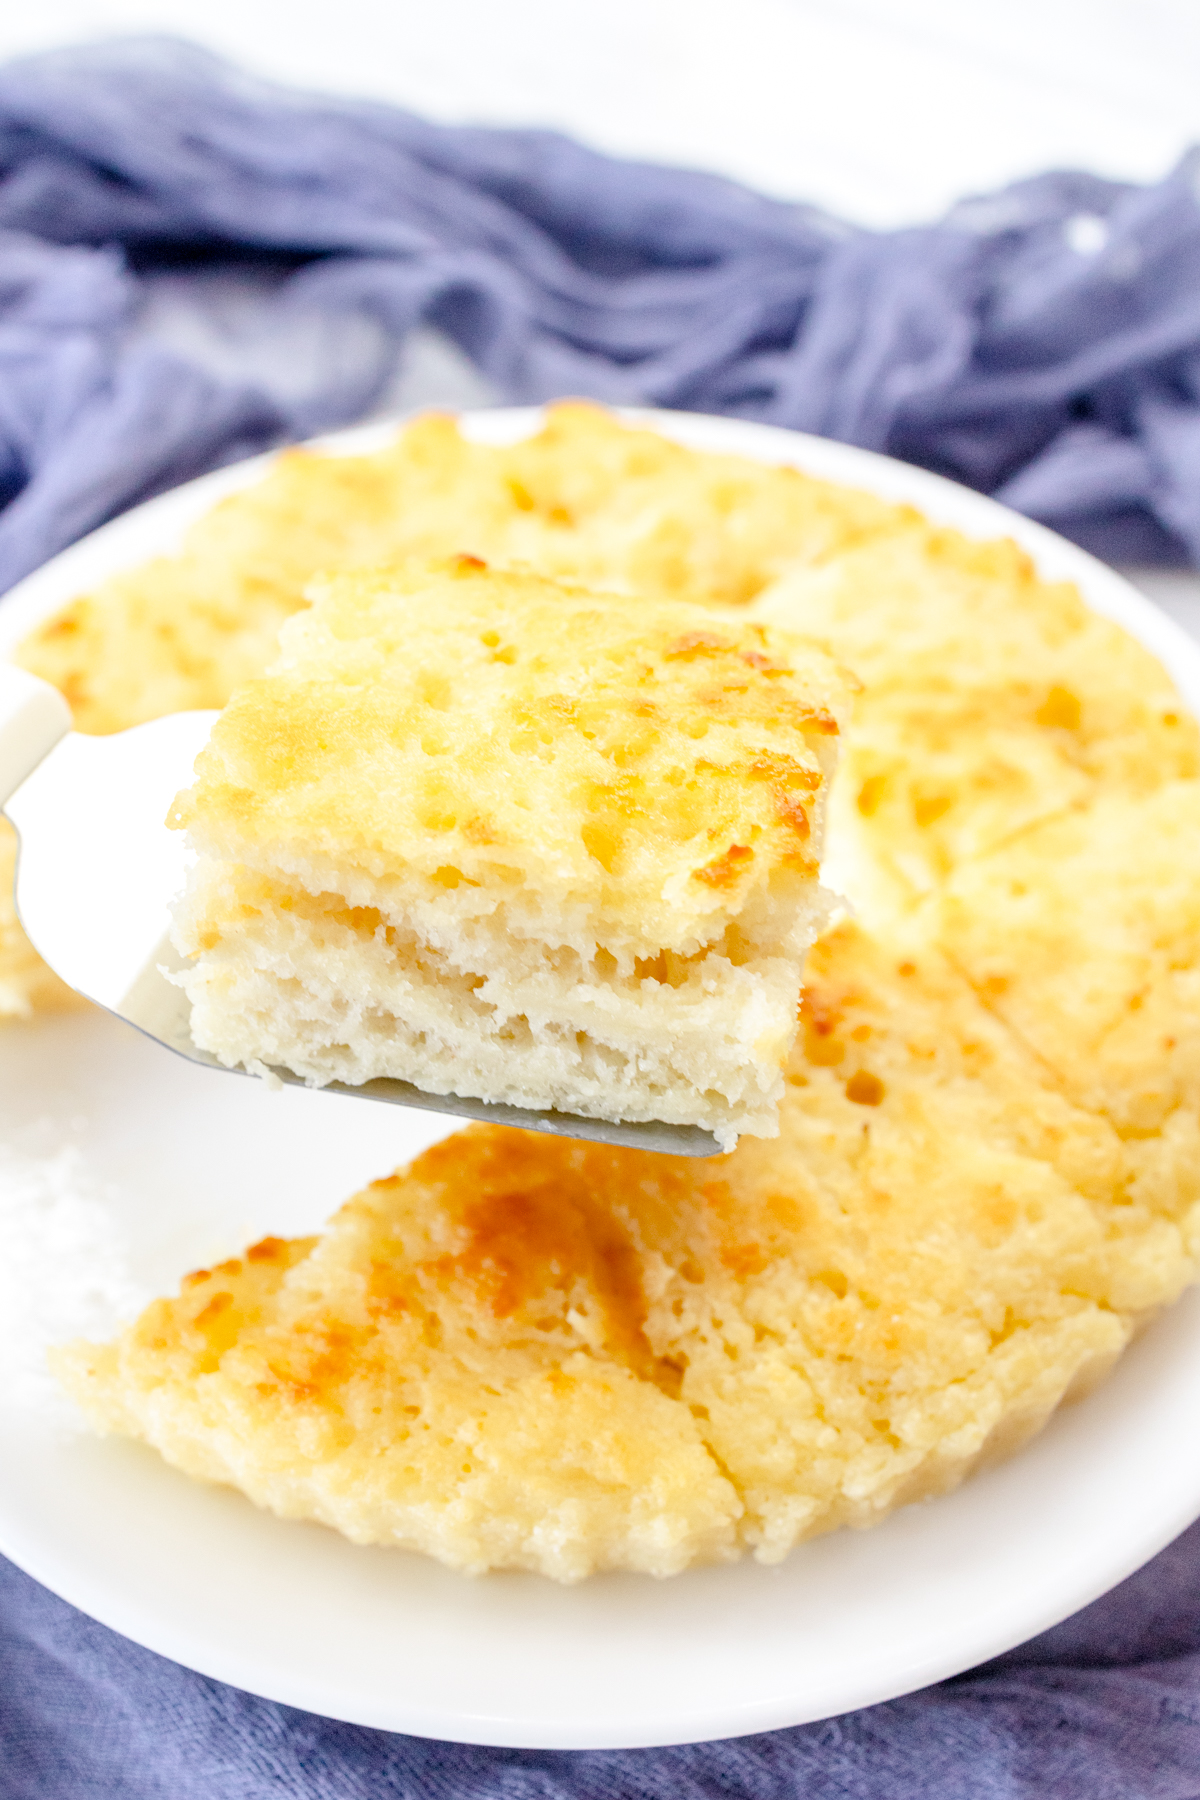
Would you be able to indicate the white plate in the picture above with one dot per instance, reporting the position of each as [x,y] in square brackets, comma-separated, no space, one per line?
[179,1164]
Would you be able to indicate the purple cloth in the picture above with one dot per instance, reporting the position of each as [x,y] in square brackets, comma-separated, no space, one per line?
[1104,1707]
[1042,344]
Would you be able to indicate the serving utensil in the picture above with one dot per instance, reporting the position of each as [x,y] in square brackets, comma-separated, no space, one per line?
[97,870]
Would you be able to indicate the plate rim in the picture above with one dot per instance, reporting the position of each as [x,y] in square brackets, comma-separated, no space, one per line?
[152,527]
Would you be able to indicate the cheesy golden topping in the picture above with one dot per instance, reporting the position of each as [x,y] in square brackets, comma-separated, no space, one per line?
[586,498]
[641,762]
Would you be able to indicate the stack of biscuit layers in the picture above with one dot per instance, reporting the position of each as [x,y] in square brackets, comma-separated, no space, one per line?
[513,838]
[552,1356]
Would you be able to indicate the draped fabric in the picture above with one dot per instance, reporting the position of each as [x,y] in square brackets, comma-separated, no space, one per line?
[1041,344]
[1104,1707]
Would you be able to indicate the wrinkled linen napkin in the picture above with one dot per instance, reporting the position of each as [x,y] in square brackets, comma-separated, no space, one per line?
[1104,1707]
[195,264]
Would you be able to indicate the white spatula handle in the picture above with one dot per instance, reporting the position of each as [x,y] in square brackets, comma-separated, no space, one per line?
[33,717]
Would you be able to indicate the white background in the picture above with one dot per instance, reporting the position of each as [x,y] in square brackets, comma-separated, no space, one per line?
[884,110]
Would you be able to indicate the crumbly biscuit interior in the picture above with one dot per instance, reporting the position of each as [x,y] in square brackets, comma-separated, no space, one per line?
[299,979]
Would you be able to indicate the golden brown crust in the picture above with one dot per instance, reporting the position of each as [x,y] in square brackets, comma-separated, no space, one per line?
[453,722]
[991,699]
[546,1354]
[587,498]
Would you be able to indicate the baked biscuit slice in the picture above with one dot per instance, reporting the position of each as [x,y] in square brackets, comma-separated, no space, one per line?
[587,498]
[526,1351]
[505,838]
[1083,936]
[992,702]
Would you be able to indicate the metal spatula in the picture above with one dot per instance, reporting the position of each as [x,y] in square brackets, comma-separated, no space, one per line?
[98,869]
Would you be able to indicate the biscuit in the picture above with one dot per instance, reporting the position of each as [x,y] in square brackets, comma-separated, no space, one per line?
[991,699]
[503,837]
[523,1352]
[530,1353]
[586,498]
[1083,935]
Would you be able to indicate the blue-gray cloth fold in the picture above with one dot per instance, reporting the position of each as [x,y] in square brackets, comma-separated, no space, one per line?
[1042,344]
[1104,1707]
